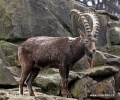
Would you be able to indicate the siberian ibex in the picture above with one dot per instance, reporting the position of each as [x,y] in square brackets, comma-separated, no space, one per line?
[57,52]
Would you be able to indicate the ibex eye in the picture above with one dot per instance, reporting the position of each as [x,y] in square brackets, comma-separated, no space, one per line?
[86,41]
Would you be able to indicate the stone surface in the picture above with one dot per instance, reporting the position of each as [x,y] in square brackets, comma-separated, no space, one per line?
[27,18]
[114,49]
[99,59]
[16,71]
[8,52]
[6,77]
[113,61]
[12,94]
[104,89]
[102,70]
[114,32]
[80,88]
[81,65]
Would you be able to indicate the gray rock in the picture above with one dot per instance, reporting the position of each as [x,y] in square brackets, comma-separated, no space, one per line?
[6,78]
[27,18]
[16,71]
[99,59]
[117,96]
[12,94]
[3,97]
[102,70]
[8,52]
[81,65]
[61,10]
[113,61]
[103,89]
[45,97]
[114,32]
[80,89]
[114,49]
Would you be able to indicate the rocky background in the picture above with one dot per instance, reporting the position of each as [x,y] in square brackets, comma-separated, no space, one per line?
[22,19]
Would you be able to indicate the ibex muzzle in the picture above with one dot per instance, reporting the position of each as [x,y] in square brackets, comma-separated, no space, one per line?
[91,46]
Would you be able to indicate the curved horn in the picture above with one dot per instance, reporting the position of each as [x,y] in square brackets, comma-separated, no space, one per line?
[95,28]
[96,25]
[83,19]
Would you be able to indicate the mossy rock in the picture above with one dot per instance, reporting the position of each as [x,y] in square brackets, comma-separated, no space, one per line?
[8,52]
[80,88]
[115,49]
[50,84]
[6,78]
[114,35]
[20,20]
[99,59]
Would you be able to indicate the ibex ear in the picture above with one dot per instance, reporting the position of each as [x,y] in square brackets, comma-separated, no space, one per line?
[82,35]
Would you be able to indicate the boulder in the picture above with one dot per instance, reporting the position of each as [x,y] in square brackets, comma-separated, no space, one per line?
[16,71]
[3,98]
[103,89]
[50,84]
[8,52]
[114,49]
[115,36]
[23,19]
[80,65]
[80,88]
[6,78]
[61,10]
[114,32]
[117,96]
[113,61]
[102,71]
[117,81]
[99,59]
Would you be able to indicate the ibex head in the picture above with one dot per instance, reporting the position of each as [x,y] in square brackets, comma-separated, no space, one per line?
[90,36]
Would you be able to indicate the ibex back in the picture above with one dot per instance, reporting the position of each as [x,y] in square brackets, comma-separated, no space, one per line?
[58,52]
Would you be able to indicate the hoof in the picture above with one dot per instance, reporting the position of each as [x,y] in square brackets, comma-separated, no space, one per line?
[32,94]
[66,94]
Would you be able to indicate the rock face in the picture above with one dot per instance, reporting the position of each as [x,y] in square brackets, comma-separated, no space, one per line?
[6,78]
[8,52]
[102,71]
[27,18]
[80,88]
[104,89]
[113,61]
[114,32]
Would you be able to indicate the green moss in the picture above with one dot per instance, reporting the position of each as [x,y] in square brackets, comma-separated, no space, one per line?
[114,50]
[111,50]
[8,52]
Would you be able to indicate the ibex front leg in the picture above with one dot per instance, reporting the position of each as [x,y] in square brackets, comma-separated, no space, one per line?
[64,73]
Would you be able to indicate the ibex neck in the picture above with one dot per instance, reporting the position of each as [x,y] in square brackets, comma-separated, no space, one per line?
[77,50]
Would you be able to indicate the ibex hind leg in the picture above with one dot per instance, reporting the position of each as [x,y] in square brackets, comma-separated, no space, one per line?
[33,74]
[26,68]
